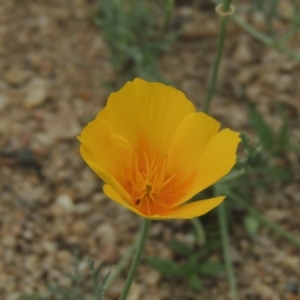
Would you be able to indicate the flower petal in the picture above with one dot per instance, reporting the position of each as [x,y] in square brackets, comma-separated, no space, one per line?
[154,152]
[111,193]
[146,113]
[189,140]
[108,150]
[187,211]
[216,160]
[105,176]
[191,210]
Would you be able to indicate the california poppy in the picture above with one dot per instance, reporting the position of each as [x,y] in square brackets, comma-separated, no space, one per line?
[154,151]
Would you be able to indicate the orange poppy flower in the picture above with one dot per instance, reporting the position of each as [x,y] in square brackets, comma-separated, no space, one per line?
[154,151]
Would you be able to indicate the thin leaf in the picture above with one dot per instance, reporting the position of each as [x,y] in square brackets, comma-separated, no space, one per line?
[195,283]
[210,268]
[166,267]
[283,135]
[180,248]
[262,129]
[252,225]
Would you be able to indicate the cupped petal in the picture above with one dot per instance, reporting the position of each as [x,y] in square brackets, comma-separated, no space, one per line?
[188,142]
[216,160]
[107,177]
[113,194]
[187,211]
[107,149]
[146,114]
[190,210]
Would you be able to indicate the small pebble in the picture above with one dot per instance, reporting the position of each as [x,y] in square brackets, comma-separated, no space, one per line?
[37,91]
[65,202]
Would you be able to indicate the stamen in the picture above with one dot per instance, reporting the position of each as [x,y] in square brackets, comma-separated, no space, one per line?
[148,181]
[147,163]
[168,180]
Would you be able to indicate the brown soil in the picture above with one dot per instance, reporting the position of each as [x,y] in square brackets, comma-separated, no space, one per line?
[53,60]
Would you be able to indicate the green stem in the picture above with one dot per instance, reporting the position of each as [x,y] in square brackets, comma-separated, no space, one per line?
[260,217]
[226,251]
[266,40]
[139,249]
[199,231]
[168,6]
[226,5]
[210,94]
[216,65]
[233,175]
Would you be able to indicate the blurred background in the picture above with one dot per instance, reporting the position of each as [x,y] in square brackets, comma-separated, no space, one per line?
[59,60]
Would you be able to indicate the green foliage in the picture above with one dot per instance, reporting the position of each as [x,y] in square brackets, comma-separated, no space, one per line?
[254,156]
[98,283]
[251,224]
[190,265]
[195,283]
[275,143]
[269,8]
[199,231]
[283,134]
[166,267]
[262,129]
[134,37]
[79,287]
[210,268]
[263,164]
[272,11]
[180,248]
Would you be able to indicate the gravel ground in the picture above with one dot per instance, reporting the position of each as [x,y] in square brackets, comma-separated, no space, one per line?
[52,62]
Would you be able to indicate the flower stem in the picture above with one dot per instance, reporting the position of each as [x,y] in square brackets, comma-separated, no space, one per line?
[139,249]
[279,46]
[199,231]
[226,250]
[226,5]
[168,6]
[233,175]
[216,65]
[211,90]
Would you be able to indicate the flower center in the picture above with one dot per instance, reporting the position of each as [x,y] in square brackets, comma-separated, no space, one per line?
[147,181]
